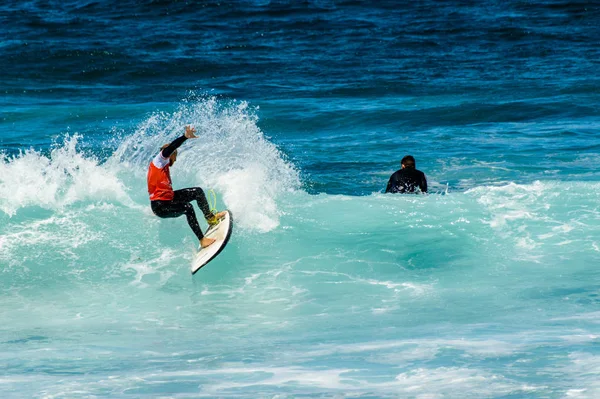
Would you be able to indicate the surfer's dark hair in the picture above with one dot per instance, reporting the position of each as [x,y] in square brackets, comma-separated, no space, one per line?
[409,161]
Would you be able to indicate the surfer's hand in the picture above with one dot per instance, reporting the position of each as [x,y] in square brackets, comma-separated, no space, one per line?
[189,132]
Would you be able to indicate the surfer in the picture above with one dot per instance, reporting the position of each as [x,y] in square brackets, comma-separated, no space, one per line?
[165,202]
[407,179]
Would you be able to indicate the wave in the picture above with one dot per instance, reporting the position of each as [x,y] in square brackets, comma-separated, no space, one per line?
[374,242]
[68,216]
[57,180]
[230,155]
[499,272]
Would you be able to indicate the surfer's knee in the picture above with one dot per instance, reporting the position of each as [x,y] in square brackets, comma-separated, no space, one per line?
[188,209]
[198,192]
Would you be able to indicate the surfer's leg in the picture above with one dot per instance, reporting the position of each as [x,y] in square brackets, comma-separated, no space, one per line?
[197,194]
[192,221]
[172,209]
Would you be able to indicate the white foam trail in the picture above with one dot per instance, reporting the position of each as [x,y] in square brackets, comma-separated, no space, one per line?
[152,266]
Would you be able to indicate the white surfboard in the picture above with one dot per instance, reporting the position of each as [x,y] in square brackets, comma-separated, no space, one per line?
[221,233]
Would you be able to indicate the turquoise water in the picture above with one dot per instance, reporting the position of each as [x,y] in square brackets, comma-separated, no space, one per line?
[485,288]
[486,292]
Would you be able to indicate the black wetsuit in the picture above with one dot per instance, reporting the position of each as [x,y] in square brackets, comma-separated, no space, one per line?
[181,202]
[406,181]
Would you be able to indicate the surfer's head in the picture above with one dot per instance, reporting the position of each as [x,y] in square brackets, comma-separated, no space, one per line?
[173,156]
[408,162]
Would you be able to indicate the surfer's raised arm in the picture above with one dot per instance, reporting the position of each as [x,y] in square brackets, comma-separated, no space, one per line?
[168,203]
[171,148]
[423,183]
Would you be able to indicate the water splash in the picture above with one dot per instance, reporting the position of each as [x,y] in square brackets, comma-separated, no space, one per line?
[231,155]
[53,181]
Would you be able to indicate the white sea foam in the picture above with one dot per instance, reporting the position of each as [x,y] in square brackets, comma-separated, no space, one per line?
[63,177]
[427,347]
[152,266]
[583,372]
[243,381]
[538,216]
[59,233]
[419,383]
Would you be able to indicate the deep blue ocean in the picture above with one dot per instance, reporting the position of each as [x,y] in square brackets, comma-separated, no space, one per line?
[487,287]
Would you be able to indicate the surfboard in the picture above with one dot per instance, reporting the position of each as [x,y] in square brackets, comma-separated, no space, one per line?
[221,233]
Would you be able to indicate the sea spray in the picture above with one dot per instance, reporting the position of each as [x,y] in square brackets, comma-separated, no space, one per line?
[230,155]
[57,180]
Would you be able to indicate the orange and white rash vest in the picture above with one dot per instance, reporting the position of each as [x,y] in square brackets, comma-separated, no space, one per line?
[160,187]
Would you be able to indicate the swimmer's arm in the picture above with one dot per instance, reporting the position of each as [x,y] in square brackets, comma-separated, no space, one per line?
[423,185]
[388,189]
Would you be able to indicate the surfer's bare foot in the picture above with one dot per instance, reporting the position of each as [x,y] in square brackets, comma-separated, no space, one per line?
[205,242]
[221,215]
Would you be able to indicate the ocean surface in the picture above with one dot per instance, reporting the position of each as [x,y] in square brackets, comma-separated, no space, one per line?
[487,287]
